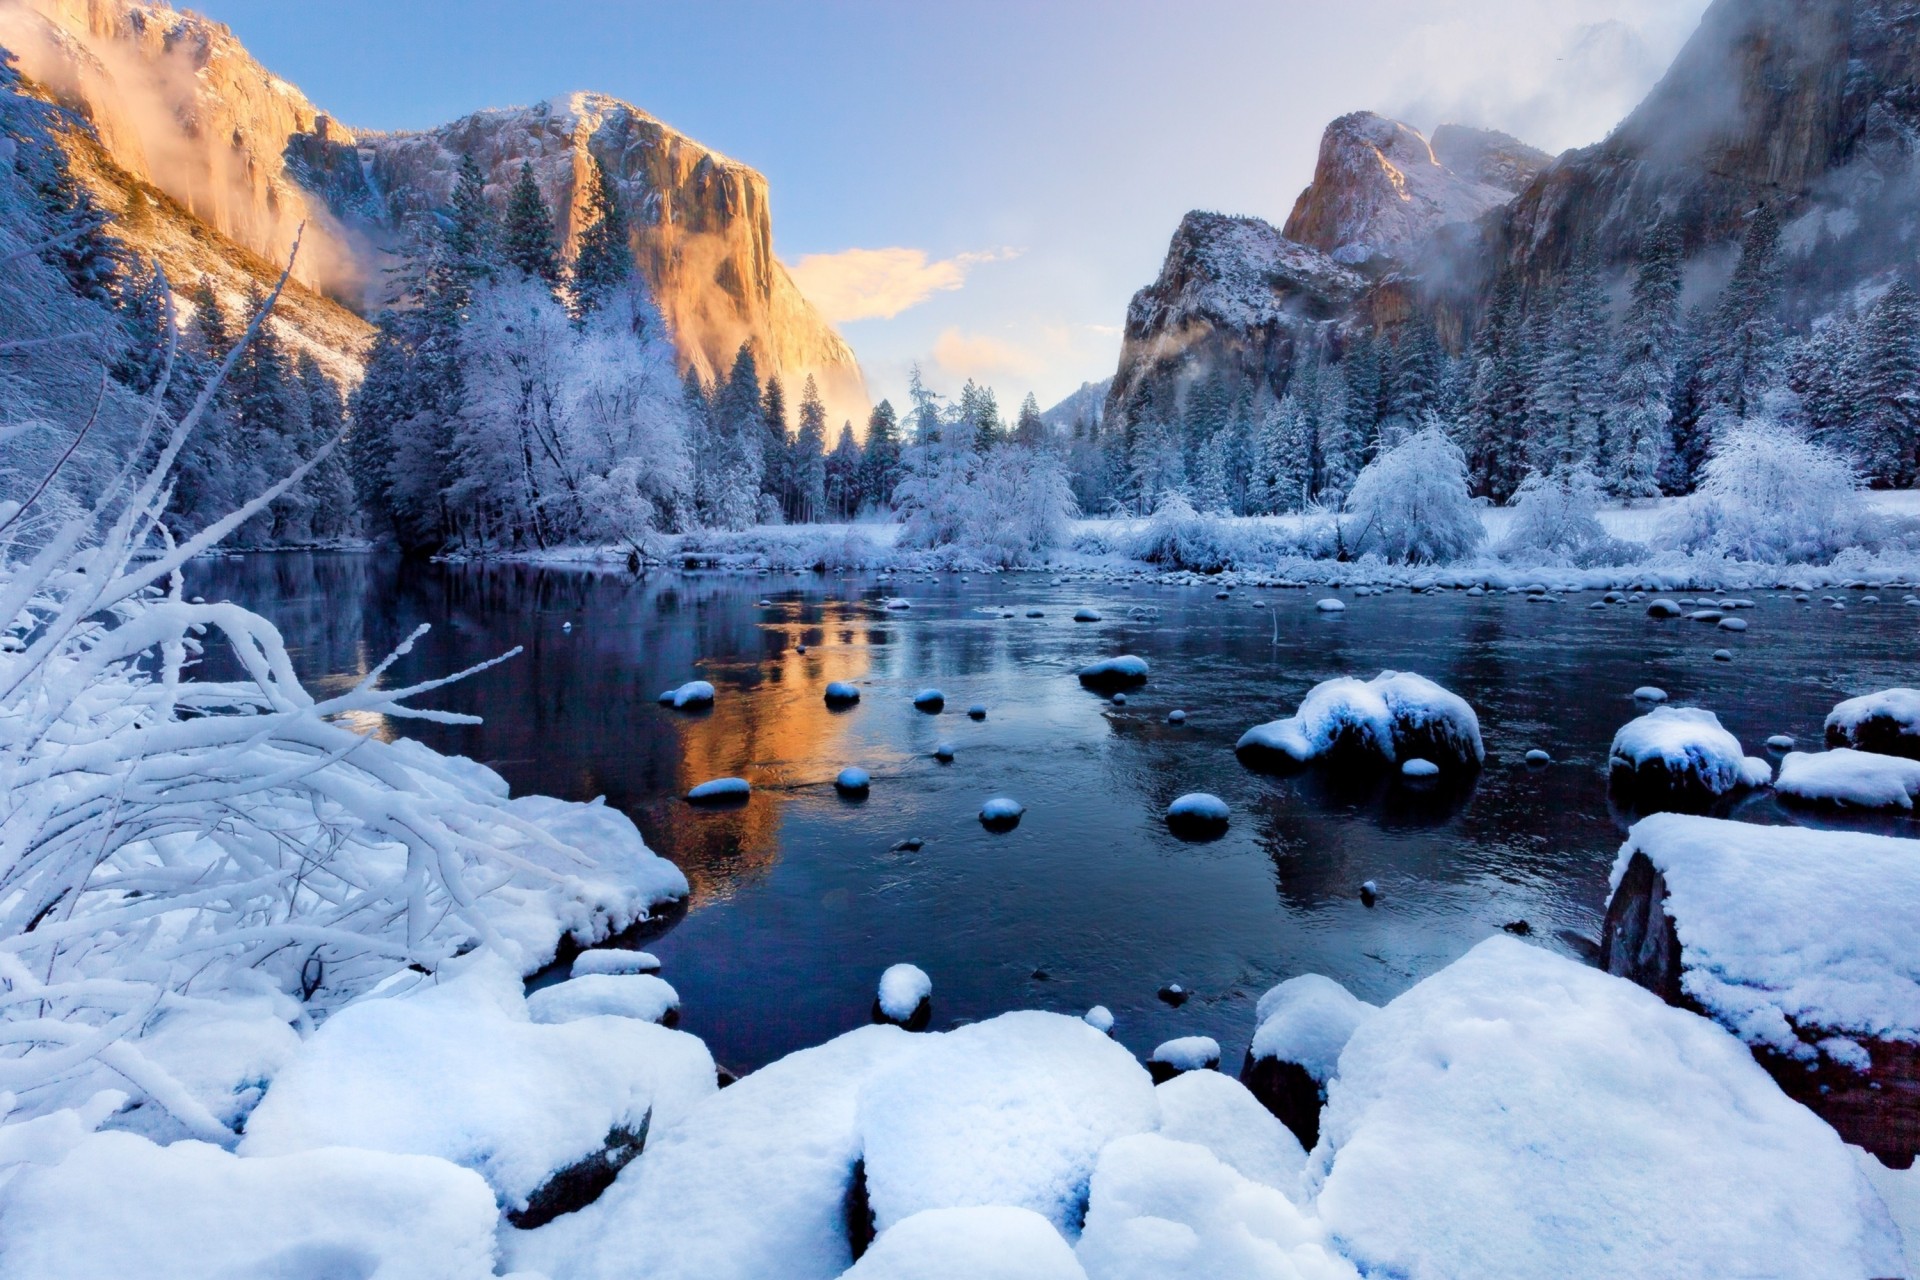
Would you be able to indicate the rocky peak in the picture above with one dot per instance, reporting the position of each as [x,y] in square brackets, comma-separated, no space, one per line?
[1379,192]
[1488,157]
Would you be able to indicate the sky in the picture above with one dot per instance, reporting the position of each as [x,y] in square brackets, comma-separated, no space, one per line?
[979,186]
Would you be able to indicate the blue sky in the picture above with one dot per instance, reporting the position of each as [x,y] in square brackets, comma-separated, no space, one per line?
[988,182]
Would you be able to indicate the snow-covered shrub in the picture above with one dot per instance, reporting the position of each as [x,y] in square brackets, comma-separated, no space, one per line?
[1019,506]
[1178,537]
[1411,502]
[1768,494]
[166,842]
[1555,516]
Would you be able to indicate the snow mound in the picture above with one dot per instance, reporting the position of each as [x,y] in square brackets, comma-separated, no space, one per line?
[1307,1021]
[902,988]
[614,960]
[1100,1018]
[1011,1111]
[118,1205]
[1786,927]
[1218,1113]
[1123,672]
[751,1183]
[1395,714]
[693,694]
[1331,605]
[1187,1053]
[1679,754]
[1199,805]
[987,1242]
[1650,693]
[840,693]
[1519,1115]
[1849,778]
[720,791]
[458,1070]
[1169,1210]
[1418,768]
[897,603]
[1887,722]
[593,995]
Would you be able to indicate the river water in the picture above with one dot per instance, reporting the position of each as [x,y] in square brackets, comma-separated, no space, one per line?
[800,899]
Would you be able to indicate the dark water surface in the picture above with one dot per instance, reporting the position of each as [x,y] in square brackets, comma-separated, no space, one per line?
[799,902]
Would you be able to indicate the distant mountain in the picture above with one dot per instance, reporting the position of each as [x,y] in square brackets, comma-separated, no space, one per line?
[1083,406]
[180,105]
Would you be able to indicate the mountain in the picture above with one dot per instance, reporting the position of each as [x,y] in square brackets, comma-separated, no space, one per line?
[179,104]
[1081,407]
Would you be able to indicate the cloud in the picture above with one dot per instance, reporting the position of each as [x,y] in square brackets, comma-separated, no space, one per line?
[982,356]
[878,284]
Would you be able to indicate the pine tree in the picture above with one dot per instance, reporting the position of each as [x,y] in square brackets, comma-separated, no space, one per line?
[468,244]
[142,306]
[1883,425]
[740,429]
[526,235]
[1342,452]
[138,216]
[1495,412]
[979,415]
[810,457]
[1571,393]
[844,466]
[1414,386]
[331,506]
[1030,428]
[83,252]
[880,467]
[604,262]
[1741,352]
[1640,420]
[776,453]
[1361,368]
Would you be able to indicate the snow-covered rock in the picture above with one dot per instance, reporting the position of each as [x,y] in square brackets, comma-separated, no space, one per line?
[1394,715]
[1001,814]
[1100,1018]
[1011,1111]
[614,960]
[904,997]
[930,700]
[694,695]
[1086,615]
[1124,672]
[1519,1115]
[1198,815]
[1300,1027]
[1183,1054]
[1332,604]
[853,781]
[1849,778]
[1650,693]
[1218,1113]
[1170,1210]
[457,1069]
[985,1242]
[119,1206]
[1681,757]
[842,694]
[1887,722]
[618,995]
[721,791]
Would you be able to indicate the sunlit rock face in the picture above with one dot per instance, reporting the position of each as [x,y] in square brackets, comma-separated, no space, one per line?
[1380,190]
[179,103]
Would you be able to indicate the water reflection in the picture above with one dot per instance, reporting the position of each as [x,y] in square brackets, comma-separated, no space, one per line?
[800,898]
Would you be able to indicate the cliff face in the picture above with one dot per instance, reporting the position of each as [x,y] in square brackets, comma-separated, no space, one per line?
[181,105]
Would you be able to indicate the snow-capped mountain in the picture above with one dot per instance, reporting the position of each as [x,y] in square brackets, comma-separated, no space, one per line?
[179,103]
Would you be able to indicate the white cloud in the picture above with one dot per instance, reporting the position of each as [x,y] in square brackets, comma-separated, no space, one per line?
[878,284]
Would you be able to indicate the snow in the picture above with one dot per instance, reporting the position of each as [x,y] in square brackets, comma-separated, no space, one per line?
[1331,605]
[1217,1112]
[1001,809]
[1843,776]
[902,988]
[1887,721]
[692,694]
[1169,1210]
[898,604]
[1519,1114]
[969,1243]
[1126,669]
[1100,1018]
[943,752]
[1650,693]
[1785,927]
[1381,717]
[721,789]
[1085,615]
[614,960]
[1199,806]
[1010,1111]
[457,1069]
[620,995]
[853,779]
[840,691]
[1307,1021]
[751,1183]
[1689,743]
[930,699]
[118,1205]
[1176,716]
[1188,1053]
[1417,768]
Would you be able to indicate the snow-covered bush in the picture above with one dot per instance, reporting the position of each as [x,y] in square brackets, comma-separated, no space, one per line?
[1411,502]
[1770,495]
[167,842]
[1556,516]
[1178,537]
[1019,506]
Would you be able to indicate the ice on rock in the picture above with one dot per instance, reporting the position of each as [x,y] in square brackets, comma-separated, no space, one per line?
[1396,714]
[721,791]
[1887,722]
[1163,1209]
[118,1205]
[692,695]
[984,1242]
[1217,1112]
[904,990]
[853,781]
[457,1069]
[1186,1053]
[1679,755]
[751,1183]
[592,995]
[840,694]
[930,700]
[614,960]
[1850,779]
[1010,1111]
[1519,1115]
[1124,672]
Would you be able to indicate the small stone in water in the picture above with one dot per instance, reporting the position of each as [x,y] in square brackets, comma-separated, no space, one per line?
[1417,768]
[944,753]
[977,712]
[1780,742]
[1369,893]
[1174,994]
[1176,717]
[1330,605]
[1041,975]
[1119,699]
[1650,693]
[911,844]
[1723,655]
[1519,928]
[1100,1018]
[1537,756]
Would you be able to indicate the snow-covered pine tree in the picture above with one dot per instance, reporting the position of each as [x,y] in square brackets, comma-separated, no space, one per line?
[469,243]
[1413,374]
[1741,349]
[1571,392]
[1210,493]
[142,305]
[739,432]
[332,511]
[81,247]
[810,458]
[1292,445]
[1029,428]
[776,454]
[1882,428]
[604,261]
[526,233]
[1361,368]
[843,467]
[1640,415]
[979,416]
[937,470]
[880,465]
[1341,450]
